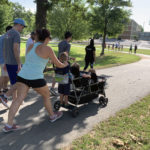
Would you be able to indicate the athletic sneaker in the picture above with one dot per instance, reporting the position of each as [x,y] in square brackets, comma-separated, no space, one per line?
[56,116]
[53,92]
[6,129]
[4,101]
[5,90]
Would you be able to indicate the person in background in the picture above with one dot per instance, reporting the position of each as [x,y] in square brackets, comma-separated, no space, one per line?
[4,79]
[121,47]
[113,45]
[30,41]
[90,55]
[108,46]
[11,51]
[63,46]
[130,49]
[135,48]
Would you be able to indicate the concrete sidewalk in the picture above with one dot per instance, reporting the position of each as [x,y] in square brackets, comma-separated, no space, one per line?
[126,84]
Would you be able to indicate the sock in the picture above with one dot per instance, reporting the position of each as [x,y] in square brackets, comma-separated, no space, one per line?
[7,125]
[5,96]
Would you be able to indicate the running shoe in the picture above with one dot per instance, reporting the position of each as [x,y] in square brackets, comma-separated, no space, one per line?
[6,129]
[53,92]
[5,90]
[4,101]
[56,116]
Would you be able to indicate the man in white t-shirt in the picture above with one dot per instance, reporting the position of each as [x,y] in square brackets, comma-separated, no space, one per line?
[30,41]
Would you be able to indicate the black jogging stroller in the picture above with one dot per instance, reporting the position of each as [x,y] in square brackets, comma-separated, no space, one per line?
[84,91]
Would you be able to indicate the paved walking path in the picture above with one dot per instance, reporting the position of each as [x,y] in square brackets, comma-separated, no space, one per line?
[126,84]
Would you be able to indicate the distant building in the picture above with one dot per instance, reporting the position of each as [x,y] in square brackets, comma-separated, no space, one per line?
[132,30]
[144,36]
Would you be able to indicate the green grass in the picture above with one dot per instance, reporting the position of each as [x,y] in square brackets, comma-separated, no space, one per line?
[129,129]
[139,51]
[110,59]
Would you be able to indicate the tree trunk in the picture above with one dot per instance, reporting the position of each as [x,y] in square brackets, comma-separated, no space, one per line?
[104,38]
[41,13]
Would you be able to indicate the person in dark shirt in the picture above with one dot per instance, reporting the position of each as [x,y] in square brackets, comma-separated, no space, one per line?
[90,55]
[135,48]
[63,46]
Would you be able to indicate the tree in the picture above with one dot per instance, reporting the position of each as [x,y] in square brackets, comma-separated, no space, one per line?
[69,18]
[2,2]
[109,17]
[10,11]
[5,17]
[42,6]
[18,11]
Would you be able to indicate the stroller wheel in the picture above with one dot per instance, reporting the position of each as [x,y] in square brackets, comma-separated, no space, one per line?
[57,105]
[103,101]
[75,112]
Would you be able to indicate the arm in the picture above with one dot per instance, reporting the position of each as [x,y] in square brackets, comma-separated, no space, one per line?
[17,55]
[86,76]
[17,52]
[68,51]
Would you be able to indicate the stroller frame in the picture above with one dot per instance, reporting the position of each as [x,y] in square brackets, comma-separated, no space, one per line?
[83,92]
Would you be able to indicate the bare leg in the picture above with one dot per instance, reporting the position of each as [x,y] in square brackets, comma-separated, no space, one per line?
[61,98]
[6,79]
[53,83]
[1,82]
[66,99]
[11,90]
[22,91]
[44,91]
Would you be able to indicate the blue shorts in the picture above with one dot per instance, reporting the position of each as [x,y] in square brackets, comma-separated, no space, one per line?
[12,73]
[64,89]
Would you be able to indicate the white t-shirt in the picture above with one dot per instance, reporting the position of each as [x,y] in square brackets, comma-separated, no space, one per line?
[29,42]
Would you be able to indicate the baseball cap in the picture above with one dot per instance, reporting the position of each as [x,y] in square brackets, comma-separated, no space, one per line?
[20,21]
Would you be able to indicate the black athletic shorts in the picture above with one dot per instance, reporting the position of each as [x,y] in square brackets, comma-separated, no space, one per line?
[32,83]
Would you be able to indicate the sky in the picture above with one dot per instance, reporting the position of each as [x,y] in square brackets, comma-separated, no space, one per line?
[140,11]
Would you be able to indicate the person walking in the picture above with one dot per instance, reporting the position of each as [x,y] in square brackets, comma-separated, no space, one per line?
[90,55]
[130,49]
[63,46]
[4,79]
[11,51]
[30,40]
[113,45]
[135,48]
[31,75]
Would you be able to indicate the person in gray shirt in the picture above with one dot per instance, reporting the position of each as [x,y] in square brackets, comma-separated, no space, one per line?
[63,46]
[11,51]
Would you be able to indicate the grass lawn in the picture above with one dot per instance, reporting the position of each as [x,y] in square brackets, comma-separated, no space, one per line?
[139,51]
[129,129]
[110,59]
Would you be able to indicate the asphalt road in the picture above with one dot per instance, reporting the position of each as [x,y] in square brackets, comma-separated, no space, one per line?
[126,84]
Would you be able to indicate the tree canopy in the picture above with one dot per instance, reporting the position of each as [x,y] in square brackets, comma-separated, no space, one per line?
[10,11]
[69,18]
[109,17]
